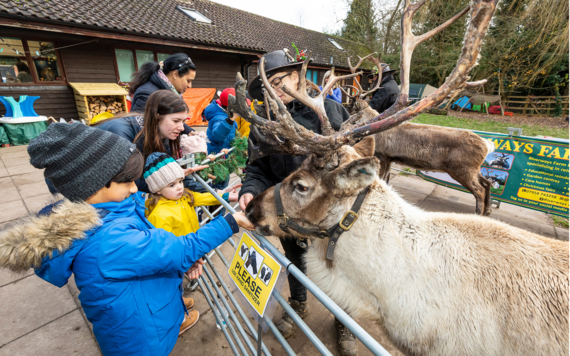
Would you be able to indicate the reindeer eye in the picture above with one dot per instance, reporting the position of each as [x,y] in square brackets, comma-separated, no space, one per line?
[301,188]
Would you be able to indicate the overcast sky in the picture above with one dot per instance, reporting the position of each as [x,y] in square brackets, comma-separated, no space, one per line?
[312,14]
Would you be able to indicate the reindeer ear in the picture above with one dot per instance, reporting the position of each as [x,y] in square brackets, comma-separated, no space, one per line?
[355,175]
[365,148]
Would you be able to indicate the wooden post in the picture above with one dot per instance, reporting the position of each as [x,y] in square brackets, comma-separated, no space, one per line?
[525,105]
[501,101]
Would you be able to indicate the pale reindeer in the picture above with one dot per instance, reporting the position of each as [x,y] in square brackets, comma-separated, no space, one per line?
[438,283]
[459,153]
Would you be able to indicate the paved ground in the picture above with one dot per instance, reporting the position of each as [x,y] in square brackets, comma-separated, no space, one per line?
[37,318]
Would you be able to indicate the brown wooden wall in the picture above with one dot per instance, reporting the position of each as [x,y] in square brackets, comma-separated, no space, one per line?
[56,101]
[95,63]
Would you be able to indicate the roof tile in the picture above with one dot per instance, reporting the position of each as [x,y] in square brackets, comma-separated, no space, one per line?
[230,27]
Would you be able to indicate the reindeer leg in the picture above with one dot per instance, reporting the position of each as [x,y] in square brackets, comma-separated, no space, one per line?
[487,185]
[472,184]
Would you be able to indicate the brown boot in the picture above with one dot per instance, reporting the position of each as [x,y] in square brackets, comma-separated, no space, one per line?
[189,321]
[345,340]
[286,325]
[189,302]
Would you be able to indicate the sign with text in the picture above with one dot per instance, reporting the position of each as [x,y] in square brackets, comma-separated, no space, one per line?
[254,272]
[526,171]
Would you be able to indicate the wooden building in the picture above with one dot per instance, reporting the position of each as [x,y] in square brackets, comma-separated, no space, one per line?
[45,45]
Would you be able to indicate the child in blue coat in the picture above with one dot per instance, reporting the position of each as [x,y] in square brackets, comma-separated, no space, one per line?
[128,272]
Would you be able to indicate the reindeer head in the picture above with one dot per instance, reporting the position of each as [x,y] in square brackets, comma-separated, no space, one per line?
[326,183]
[316,198]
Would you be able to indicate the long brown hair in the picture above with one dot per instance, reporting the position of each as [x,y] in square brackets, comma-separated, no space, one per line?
[160,103]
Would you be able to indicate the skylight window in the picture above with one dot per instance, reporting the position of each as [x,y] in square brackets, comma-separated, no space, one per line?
[195,15]
[335,44]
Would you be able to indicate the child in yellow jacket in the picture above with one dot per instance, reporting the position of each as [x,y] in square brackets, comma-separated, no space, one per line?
[172,207]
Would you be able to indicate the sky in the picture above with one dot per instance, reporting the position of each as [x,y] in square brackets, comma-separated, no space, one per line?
[315,15]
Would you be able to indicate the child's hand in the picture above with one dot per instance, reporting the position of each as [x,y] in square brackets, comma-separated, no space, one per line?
[196,270]
[233,196]
[225,151]
[242,221]
[211,157]
[194,169]
[231,189]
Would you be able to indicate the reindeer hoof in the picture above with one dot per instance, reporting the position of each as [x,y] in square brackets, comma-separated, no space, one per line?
[488,212]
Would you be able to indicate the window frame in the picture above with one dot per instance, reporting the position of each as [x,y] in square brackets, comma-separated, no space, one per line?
[134,50]
[32,65]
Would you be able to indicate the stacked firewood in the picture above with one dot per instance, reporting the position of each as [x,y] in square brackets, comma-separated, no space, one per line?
[100,104]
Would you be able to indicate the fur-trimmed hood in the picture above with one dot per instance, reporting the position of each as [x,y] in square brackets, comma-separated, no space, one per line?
[25,244]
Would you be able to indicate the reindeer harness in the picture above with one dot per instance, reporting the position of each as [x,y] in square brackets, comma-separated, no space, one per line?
[334,232]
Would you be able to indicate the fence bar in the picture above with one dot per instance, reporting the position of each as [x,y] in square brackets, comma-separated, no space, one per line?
[218,320]
[217,156]
[244,336]
[238,308]
[278,335]
[225,318]
[340,314]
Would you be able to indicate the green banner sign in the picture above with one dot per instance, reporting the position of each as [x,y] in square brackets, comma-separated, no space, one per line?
[526,171]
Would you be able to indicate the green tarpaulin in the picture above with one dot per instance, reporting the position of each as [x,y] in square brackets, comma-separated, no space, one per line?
[21,134]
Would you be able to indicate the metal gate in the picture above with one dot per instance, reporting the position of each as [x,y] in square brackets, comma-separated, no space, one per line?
[234,331]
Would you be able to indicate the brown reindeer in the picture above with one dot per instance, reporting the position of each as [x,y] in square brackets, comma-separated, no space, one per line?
[459,153]
[438,283]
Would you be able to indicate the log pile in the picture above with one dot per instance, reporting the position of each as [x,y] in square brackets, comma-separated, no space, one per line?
[100,104]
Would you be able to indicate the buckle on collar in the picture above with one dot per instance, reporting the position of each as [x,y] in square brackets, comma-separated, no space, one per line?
[282,220]
[347,220]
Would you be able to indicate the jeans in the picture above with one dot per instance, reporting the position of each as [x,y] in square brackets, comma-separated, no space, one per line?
[294,253]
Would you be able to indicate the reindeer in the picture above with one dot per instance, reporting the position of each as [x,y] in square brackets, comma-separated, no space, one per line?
[459,153]
[438,283]
[500,162]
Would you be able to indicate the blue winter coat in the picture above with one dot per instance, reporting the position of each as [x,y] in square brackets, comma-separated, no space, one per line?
[335,95]
[220,132]
[129,274]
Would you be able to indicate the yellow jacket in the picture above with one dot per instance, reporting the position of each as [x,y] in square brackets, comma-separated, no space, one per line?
[243,126]
[178,216]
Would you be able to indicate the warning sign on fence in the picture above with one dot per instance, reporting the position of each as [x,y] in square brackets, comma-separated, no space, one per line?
[526,171]
[254,272]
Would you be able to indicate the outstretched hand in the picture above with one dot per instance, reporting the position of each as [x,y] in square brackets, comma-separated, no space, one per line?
[242,221]
[196,270]
[194,169]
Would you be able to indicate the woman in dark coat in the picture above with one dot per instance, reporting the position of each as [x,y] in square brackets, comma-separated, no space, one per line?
[159,131]
[266,172]
[176,73]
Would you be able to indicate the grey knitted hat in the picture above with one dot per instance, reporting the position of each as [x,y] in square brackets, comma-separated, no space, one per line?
[78,159]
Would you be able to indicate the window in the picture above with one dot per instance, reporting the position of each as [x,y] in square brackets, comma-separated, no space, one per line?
[194,15]
[335,44]
[313,75]
[125,64]
[129,61]
[34,62]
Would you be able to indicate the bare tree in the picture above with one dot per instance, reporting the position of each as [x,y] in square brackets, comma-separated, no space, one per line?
[300,17]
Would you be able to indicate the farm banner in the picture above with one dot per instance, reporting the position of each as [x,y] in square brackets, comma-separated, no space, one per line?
[525,171]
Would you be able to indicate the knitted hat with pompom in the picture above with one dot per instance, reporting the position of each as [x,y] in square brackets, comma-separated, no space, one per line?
[160,170]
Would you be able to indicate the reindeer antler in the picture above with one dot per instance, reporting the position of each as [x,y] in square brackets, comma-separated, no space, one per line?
[286,136]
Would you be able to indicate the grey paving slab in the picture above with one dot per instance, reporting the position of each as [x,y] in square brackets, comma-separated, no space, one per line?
[7,276]
[16,161]
[67,335]
[561,234]
[412,183]
[30,303]
[36,176]
[13,210]
[454,196]
[16,154]
[8,150]
[21,169]
[34,189]
[411,196]
[9,192]
[4,172]
[36,203]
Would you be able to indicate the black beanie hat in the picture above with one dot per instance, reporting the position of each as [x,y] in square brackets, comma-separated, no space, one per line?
[78,159]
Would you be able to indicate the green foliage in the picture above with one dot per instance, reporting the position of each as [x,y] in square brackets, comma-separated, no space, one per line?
[360,24]
[489,125]
[222,168]
[560,221]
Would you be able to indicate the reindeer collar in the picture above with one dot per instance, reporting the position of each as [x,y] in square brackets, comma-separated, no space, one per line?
[345,223]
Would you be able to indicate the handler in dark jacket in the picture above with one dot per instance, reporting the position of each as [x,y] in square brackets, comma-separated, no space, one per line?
[176,73]
[388,92]
[266,172]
